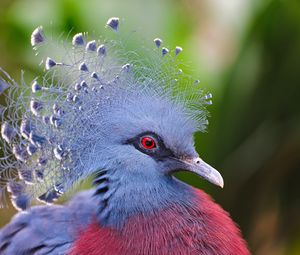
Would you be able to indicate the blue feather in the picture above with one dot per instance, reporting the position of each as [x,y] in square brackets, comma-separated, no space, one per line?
[93,96]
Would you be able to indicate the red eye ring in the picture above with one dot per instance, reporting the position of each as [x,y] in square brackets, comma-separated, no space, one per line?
[148,143]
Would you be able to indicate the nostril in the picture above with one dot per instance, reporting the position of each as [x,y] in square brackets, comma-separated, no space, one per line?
[198,161]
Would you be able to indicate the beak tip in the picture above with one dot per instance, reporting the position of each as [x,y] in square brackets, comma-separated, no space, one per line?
[222,185]
[220,181]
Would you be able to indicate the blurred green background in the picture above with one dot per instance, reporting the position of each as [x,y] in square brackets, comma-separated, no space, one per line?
[247,53]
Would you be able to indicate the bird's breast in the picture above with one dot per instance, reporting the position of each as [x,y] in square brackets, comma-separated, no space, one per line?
[197,227]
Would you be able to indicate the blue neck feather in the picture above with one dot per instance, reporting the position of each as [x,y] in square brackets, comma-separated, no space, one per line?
[118,199]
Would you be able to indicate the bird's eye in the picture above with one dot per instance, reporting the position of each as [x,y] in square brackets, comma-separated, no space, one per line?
[148,143]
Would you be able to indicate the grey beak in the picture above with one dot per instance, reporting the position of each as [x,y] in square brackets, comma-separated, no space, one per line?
[204,170]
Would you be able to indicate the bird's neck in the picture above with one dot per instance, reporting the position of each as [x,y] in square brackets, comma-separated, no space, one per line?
[120,199]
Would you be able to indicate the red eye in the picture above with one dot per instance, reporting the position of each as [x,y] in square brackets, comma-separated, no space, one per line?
[148,143]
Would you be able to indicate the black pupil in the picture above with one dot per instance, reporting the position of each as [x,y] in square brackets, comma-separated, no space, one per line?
[149,142]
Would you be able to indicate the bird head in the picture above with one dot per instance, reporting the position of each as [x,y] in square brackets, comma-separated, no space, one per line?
[105,110]
[151,137]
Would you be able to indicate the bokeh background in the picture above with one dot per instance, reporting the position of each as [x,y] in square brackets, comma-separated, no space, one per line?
[247,53]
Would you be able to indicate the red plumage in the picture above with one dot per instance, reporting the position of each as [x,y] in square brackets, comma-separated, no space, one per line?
[201,228]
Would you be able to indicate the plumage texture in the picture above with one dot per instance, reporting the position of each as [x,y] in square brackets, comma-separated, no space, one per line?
[47,229]
[82,94]
[128,119]
[200,227]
